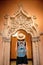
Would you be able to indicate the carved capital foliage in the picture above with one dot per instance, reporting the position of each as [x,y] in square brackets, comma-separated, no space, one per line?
[5,39]
[36,39]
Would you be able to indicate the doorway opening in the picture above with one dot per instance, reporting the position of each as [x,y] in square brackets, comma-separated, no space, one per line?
[13,46]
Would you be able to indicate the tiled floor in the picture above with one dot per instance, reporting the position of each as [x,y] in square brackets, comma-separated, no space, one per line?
[14,63]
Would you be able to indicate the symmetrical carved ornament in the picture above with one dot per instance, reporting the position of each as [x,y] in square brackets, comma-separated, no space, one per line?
[21,20]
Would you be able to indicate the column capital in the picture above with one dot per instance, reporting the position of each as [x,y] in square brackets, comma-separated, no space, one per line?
[5,39]
[36,39]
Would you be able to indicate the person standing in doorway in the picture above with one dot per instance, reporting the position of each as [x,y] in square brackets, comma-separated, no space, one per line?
[21,50]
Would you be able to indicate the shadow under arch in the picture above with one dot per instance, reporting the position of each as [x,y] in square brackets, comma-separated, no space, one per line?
[28,43]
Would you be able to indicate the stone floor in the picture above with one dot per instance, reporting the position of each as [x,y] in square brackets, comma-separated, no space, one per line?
[14,63]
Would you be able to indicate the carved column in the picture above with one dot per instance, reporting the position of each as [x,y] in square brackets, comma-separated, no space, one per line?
[6,51]
[35,45]
[1,50]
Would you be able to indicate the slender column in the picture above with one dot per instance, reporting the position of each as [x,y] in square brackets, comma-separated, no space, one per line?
[36,59]
[1,51]
[34,54]
[6,52]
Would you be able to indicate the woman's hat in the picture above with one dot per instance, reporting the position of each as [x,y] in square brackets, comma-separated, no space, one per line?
[20,36]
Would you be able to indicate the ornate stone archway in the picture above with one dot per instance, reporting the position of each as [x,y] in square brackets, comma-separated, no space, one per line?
[21,20]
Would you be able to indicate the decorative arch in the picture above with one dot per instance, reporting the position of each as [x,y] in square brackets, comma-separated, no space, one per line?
[31,33]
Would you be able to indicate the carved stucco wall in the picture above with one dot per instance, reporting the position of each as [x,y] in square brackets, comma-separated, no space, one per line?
[21,20]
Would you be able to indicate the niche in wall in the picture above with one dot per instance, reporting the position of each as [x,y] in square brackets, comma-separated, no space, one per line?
[28,45]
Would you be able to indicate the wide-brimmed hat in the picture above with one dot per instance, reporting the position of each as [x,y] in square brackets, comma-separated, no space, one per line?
[20,36]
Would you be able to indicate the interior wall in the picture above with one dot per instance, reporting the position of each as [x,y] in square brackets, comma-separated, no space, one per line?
[32,7]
